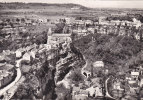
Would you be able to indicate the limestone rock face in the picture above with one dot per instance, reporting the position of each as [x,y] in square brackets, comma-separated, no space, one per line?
[42,73]
[39,83]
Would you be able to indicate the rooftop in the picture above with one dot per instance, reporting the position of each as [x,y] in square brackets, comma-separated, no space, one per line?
[135,85]
[61,35]
[6,67]
[76,88]
[135,73]
[98,64]
[4,73]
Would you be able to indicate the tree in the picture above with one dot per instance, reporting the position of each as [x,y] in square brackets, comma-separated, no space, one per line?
[22,20]
[48,20]
[41,38]
[76,76]
[59,27]
[17,19]
[24,92]
[8,20]
[73,36]
[11,24]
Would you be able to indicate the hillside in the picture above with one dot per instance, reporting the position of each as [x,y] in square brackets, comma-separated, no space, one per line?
[45,9]
[17,5]
[115,51]
[41,10]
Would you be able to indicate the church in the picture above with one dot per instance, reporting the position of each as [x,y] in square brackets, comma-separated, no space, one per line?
[55,39]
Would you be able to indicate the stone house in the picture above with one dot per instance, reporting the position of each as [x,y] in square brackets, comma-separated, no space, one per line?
[79,94]
[135,75]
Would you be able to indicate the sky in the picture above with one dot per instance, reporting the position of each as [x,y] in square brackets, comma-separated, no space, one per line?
[92,3]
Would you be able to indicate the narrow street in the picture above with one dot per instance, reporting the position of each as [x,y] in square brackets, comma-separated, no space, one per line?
[82,70]
[107,93]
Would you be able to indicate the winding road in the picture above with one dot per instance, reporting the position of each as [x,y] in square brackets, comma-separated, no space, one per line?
[82,70]
[107,93]
[3,91]
[18,76]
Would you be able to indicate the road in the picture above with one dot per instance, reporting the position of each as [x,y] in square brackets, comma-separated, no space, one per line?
[3,91]
[12,90]
[83,68]
[107,93]
[19,74]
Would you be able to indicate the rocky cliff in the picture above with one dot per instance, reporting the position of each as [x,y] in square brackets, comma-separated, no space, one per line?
[44,74]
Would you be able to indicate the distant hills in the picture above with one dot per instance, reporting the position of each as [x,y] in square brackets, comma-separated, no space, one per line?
[19,5]
[58,10]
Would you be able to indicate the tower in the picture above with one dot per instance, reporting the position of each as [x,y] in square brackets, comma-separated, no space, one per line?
[49,36]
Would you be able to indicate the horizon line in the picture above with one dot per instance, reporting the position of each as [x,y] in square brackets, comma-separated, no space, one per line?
[78,4]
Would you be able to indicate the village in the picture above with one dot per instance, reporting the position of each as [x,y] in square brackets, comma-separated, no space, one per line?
[97,82]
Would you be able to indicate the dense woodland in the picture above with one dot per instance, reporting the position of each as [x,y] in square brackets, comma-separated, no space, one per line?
[114,50]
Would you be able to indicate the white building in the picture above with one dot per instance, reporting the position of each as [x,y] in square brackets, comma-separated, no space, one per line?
[137,23]
[135,74]
[141,83]
[98,64]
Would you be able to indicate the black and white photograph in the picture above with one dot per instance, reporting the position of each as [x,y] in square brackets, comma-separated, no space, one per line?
[71,49]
